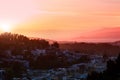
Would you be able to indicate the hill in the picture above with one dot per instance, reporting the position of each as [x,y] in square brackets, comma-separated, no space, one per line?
[104,35]
[92,48]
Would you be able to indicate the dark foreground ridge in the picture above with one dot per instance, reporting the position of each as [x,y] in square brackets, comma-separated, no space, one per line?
[22,58]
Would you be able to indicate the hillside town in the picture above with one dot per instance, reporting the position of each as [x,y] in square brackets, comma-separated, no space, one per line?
[47,63]
[75,72]
[79,70]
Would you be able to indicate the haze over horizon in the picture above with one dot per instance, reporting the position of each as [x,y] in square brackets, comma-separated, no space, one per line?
[62,20]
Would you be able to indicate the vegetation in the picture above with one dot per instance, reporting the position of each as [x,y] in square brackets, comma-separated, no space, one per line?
[92,48]
[111,73]
[20,45]
[17,49]
[19,42]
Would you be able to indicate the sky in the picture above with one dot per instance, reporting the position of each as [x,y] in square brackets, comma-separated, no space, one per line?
[63,20]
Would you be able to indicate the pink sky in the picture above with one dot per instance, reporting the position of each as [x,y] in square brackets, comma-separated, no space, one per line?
[60,19]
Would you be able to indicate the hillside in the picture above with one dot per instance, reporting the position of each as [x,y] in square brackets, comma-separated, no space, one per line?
[92,48]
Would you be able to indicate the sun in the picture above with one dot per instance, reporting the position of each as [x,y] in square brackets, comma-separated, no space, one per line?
[5,28]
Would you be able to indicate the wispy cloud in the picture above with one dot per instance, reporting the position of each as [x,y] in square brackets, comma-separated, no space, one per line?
[57,12]
[105,33]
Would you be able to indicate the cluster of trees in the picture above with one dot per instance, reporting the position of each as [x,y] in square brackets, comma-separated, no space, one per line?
[53,61]
[16,41]
[111,73]
[46,62]
[12,69]
[15,69]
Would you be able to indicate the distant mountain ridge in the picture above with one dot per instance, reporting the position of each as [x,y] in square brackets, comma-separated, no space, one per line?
[106,34]
[116,43]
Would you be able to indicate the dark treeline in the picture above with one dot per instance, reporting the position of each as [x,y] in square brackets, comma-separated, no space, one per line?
[92,48]
[14,41]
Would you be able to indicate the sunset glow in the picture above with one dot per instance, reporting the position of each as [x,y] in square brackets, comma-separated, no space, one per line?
[5,28]
[62,20]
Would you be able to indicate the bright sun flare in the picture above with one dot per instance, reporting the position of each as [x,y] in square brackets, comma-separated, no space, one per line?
[5,28]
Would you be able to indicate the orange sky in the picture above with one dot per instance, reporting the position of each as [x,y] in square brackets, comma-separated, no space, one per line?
[60,19]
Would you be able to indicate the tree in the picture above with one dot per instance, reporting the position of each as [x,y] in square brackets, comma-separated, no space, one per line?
[16,69]
[94,76]
[55,45]
[105,57]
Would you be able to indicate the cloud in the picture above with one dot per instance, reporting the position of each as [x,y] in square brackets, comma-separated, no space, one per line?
[67,13]
[106,33]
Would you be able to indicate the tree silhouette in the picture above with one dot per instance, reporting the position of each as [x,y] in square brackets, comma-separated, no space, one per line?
[55,45]
[20,42]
